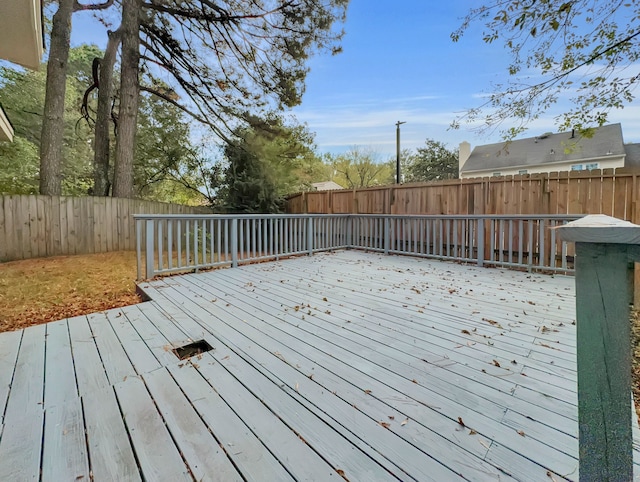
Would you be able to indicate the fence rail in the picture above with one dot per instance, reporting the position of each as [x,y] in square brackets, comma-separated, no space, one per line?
[173,243]
[39,226]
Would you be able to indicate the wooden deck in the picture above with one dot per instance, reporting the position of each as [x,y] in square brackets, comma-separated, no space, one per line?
[349,364]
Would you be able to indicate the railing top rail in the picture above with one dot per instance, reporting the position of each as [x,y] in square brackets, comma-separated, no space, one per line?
[235,216]
[568,217]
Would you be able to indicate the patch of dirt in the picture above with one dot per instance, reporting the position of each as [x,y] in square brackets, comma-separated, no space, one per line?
[39,290]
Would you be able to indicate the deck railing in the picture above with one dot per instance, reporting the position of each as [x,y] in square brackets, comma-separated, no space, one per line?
[175,243]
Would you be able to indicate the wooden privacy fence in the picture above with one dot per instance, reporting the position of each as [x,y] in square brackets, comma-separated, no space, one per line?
[611,192]
[39,226]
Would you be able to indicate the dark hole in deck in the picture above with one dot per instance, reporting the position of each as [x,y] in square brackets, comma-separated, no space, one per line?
[195,348]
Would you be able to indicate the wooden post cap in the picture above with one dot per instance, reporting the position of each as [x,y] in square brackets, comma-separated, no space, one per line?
[599,228]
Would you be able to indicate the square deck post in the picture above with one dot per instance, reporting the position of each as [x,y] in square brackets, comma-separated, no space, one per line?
[234,242]
[310,235]
[605,250]
[480,246]
[387,234]
[149,254]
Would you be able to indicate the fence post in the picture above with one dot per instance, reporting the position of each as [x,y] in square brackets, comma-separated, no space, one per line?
[149,254]
[234,242]
[387,234]
[480,241]
[310,235]
[605,250]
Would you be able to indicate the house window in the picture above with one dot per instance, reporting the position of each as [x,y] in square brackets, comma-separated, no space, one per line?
[592,166]
[523,171]
[496,174]
[577,167]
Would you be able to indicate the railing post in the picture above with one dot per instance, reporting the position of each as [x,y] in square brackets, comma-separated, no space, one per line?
[139,249]
[310,235]
[387,234]
[234,242]
[149,254]
[480,241]
[605,250]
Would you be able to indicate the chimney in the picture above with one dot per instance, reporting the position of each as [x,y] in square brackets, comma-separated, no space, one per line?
[463,154]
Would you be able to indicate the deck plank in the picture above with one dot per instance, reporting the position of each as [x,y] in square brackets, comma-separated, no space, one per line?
[114,358]
[60,387]
[140,355]
[204,455]
[9,347]
[155,450]
[64,451]
[90,373]
[252,457]
[112,456]
[24,416]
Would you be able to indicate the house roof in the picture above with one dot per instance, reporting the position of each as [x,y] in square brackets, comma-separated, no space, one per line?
[326,186]
[633,155]
[547,148]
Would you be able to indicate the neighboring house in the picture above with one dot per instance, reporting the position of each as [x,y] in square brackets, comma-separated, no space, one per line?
[21,42]
[326,186]
[566,151]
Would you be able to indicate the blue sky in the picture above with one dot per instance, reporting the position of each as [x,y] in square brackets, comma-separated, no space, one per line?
[399,64]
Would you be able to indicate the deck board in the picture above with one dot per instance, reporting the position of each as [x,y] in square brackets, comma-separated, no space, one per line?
[341,364]
[20,442]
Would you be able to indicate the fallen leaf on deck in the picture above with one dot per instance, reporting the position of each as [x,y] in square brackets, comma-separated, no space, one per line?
[297,386]
[225,358]
[521,433]
[495,362]
[404,422]
[367,392]
[514,362]
[465,332]
[325,299]
[461,422]
[341,474]
[385,424]
[472,432]
[391,417]
[492,322]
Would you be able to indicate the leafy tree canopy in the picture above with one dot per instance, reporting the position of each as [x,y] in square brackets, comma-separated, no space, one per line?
[360,167]
[433,162]
[586,48]
[265,162]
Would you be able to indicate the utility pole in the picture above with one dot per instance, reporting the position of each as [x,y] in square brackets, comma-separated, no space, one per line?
[398,124]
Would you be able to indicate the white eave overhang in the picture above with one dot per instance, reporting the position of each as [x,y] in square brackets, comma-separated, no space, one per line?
[6,130]
[21,32]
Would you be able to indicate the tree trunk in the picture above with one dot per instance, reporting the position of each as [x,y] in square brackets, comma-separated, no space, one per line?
[103,117]
[129,92]
[51,139]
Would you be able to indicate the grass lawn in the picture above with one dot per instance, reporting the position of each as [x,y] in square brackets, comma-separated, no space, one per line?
[35,291]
